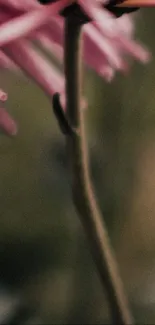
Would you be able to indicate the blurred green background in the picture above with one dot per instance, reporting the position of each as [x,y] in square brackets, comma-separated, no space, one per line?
[45,262]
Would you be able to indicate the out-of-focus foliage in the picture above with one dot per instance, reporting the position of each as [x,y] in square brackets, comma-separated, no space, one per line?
[44,255]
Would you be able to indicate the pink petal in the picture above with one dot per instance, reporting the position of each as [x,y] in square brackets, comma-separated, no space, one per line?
[7,123]
[26,23]
[7,63]
[3,96]
[36,66]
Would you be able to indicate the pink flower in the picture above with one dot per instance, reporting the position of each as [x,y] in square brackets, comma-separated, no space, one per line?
[6,122]
[107,41]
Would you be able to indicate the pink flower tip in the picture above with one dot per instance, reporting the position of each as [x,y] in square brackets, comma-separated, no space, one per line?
[3,96]
[7,124]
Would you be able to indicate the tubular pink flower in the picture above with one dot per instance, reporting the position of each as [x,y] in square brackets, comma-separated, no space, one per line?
[6,122]
[7,63]
[107,40]
[3,96]
[23,25]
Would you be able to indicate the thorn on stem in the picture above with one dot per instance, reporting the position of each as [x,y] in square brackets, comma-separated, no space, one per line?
[63,122]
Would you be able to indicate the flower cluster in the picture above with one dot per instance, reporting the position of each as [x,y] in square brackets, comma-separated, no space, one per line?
[107,41]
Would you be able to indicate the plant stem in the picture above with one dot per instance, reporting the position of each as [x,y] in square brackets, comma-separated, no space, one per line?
[83,194]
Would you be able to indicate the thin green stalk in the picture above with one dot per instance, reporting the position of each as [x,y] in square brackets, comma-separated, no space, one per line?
[83,193]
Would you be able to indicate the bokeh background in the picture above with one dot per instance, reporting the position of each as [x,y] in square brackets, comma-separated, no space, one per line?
[46,270]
